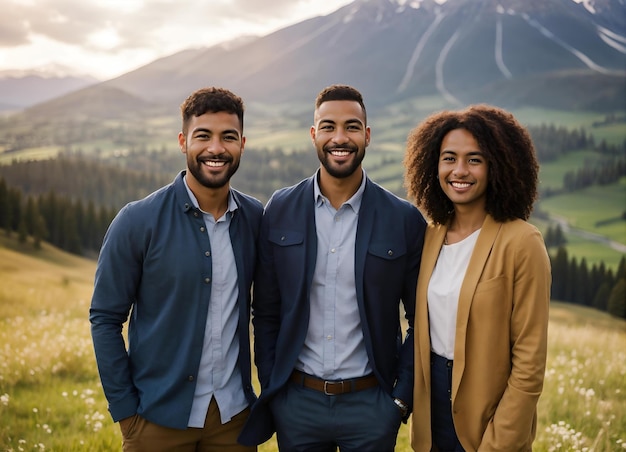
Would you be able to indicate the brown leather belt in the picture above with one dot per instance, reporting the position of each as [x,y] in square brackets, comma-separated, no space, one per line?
[333,387]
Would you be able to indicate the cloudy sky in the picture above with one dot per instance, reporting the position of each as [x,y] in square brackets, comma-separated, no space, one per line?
[106,38]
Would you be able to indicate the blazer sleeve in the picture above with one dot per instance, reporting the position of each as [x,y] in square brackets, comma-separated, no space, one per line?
[416,228]
[514,418]
[265,305]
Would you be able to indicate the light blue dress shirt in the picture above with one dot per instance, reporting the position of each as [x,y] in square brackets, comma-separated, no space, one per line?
[334,347]
[219,375]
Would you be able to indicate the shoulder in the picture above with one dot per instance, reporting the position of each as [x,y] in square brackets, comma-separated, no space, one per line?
[247,201]
[151,203]
[519,229]
[387,200]
[293,193]
[523,239]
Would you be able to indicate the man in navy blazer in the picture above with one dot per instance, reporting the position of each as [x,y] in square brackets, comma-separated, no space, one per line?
[338,255]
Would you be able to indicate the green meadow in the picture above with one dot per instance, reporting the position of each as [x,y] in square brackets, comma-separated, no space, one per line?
[51,399]
[50,396]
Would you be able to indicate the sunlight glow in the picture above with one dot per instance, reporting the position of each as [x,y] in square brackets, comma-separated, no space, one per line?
[106,39]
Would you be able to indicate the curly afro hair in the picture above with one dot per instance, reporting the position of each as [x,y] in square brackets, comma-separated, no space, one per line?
[509,151]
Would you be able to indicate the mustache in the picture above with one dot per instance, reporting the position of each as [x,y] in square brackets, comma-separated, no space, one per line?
[215,158]
[345,147]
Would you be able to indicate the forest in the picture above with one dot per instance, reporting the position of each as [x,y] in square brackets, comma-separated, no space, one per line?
[70,200]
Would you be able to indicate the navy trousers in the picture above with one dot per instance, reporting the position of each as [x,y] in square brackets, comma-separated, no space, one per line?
[444,434]
[309,420]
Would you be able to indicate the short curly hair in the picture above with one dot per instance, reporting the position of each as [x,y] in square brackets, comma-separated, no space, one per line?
[508,149]
[340,92]
[211,100]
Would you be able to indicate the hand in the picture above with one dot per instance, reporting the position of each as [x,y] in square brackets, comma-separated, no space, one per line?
[403,407]
[125,424]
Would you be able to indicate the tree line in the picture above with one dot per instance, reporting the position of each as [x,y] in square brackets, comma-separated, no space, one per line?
[69,224]
[78,227]
[596,287]
[70,200]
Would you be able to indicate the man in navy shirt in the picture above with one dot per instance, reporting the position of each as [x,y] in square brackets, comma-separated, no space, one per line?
[180,264]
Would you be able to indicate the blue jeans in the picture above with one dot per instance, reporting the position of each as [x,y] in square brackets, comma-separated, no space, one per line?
[309,420]
[444,434]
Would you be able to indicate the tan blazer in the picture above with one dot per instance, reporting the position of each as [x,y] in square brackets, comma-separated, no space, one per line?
[500,343]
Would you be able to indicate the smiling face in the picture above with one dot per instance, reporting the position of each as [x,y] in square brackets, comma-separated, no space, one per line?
[340,136]
[213,146]
[463,170]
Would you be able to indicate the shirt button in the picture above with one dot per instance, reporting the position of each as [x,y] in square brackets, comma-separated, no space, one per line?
[207,253]
[390,253]
[190,378]
[329,337]
[207,280]
[332,250]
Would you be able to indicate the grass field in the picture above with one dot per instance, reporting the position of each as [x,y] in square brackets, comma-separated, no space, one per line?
[51,399]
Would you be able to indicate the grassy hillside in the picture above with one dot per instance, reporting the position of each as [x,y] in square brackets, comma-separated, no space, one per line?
[50,396]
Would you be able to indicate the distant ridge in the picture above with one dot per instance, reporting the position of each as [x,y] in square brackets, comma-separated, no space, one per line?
[512,53]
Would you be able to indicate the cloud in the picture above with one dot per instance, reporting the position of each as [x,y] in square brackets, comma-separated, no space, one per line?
[109,37]
[13,28]
[137,23]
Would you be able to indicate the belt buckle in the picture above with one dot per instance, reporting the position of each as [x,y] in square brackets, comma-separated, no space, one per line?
[326,382]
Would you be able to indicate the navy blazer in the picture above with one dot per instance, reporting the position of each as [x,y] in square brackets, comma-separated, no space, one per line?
[388,249]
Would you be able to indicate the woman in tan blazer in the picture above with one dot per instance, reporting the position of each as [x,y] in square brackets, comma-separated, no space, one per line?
[484,284]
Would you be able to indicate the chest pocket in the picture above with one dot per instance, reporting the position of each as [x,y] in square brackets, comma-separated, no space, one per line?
[387,250]
[285,238]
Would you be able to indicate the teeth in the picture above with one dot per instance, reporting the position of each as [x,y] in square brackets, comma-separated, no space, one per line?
[340,153]
[460,184]
[213,163]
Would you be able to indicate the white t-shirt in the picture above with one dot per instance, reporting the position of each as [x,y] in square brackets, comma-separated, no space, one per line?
[443,293]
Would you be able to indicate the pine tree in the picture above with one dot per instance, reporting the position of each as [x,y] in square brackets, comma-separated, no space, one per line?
[617,300]
[571,282]
[5,211]
[70,240]
[621,269]
[559,274]
[15,207]
[583,294]
[30,214]
[602,296]
[22,231]
[39,232]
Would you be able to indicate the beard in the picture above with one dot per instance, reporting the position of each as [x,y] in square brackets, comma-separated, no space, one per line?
[196,168]
[343,169]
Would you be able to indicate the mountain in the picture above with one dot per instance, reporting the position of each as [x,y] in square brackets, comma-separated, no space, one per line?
[513,53]
[463,50]
[20,89]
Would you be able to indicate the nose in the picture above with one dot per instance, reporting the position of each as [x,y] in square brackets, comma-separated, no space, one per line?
[460,169]
[340,136]
[215,145]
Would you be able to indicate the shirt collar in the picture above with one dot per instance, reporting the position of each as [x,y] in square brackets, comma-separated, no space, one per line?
[354,202]
[232,205]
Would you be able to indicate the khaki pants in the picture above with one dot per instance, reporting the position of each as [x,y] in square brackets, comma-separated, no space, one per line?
[140,435]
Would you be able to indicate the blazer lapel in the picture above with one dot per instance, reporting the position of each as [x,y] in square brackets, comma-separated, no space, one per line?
[310,233]
[482,250]
[433,241]
[365,223]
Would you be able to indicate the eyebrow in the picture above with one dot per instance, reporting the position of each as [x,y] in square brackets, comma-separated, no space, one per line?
[224,132]
[452,151]
[349,121]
